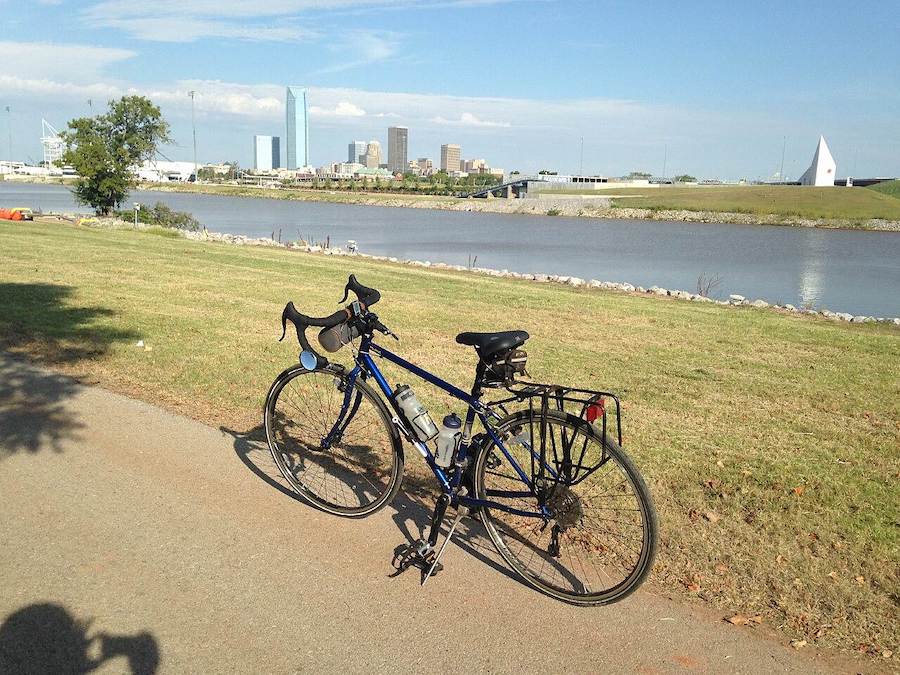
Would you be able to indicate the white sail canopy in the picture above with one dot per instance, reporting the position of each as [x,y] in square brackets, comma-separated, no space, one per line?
[823,169]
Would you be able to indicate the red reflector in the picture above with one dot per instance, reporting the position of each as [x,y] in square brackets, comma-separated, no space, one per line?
[594,410]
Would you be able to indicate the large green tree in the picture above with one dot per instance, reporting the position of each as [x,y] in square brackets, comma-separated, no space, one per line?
[106,149]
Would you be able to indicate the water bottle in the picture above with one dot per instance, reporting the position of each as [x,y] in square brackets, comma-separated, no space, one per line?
[448,440]
[415,413]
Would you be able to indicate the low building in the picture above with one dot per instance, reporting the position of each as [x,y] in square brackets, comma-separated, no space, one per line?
[426,166]
[158,171]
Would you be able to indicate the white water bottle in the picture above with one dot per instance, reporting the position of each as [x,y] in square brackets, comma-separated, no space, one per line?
[448,440]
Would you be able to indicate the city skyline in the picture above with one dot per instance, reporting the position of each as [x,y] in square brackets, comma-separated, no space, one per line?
[673,97]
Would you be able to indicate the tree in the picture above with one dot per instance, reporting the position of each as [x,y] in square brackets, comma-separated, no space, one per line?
[685,178]
[639,175]
[104,150]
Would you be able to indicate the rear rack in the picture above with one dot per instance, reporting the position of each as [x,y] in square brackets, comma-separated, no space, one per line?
[581,403]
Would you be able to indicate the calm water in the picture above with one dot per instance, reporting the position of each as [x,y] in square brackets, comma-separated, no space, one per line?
[846,271]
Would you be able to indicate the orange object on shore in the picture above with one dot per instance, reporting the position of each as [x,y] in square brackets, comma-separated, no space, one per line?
[10,214]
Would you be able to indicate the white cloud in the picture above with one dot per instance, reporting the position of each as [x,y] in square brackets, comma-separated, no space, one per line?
[71,62]
[467,119]
[342,109]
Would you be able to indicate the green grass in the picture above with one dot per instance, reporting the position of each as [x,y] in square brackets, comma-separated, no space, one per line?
[787,201]
[787,428]
[890,188]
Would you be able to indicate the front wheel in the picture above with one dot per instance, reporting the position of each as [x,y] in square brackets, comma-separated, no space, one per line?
[333,441]
[597,540]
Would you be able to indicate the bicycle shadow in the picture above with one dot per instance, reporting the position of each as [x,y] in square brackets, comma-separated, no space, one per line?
[411,508]
[47,638]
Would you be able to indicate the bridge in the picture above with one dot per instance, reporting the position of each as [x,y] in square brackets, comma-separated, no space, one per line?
[510,189]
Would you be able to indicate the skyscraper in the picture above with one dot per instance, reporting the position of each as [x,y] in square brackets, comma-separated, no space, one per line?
[450,154]
[397,142]
[297,128]
[373,155]
[266,153]
[356,152]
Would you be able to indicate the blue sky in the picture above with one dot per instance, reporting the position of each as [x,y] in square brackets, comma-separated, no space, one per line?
[712,87]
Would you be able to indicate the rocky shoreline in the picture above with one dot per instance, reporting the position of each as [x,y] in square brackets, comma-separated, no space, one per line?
[575,282]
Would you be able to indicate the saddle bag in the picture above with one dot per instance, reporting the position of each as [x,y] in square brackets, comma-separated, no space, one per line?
[503,367]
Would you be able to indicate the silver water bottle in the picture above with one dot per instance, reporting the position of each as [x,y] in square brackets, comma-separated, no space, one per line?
[415,413]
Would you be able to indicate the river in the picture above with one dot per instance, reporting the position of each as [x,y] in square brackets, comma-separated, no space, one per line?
[841,270]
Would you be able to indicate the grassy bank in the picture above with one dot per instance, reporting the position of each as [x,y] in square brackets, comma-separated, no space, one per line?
[771,442]
[854,204]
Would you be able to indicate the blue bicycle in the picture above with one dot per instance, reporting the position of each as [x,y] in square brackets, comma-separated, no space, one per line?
[560,500]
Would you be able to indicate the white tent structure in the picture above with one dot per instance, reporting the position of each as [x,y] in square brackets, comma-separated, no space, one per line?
[823,169]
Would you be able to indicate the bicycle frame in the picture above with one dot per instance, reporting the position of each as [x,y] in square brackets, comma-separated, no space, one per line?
[449,480]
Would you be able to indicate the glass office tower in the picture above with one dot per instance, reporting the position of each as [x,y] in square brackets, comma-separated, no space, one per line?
[297,128]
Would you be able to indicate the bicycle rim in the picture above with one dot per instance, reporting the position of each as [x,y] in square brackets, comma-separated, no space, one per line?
[598,545]
[355,474]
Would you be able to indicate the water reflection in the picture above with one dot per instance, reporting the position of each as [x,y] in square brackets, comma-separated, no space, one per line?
[812,267]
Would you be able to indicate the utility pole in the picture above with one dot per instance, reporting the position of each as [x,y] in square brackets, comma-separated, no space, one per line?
[581,161]
[191,93]
[665,158]
[781,170]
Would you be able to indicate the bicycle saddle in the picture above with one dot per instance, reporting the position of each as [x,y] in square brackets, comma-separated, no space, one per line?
[488,344]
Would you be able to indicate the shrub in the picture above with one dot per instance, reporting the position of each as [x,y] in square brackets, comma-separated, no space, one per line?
[163,216]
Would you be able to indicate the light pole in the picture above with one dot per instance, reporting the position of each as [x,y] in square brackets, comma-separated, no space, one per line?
[192,93]
[781,170]
[9,131]
[137,207]
[581,161]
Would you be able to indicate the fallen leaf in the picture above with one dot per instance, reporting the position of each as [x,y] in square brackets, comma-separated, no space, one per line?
[832,574]
[738,620]
[712,516]
[799,490]
[798,644]
[757,619]
[721,568]
[779,558]
[860,580]
[887,653]
[693,587]
[720,464]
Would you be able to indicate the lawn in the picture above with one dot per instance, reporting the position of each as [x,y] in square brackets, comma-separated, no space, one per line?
[771,442]
[889,187]
[789,201]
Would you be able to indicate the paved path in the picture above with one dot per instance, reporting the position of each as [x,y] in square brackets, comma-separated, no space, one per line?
[130,535]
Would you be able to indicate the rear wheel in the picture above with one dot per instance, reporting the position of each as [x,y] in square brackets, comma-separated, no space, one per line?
[597,543]
[348,463]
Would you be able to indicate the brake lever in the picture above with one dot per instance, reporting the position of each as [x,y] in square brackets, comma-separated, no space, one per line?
[387,331]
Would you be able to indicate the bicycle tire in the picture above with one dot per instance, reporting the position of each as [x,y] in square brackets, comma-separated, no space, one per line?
[353,480]
[500,524]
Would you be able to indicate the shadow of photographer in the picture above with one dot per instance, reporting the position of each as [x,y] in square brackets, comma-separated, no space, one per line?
[46,638]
